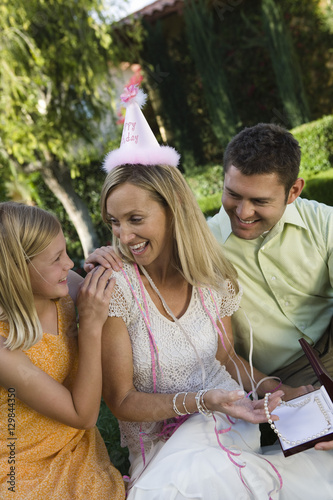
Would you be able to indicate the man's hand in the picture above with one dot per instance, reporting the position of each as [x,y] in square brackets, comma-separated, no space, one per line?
[294,392]
[327,445]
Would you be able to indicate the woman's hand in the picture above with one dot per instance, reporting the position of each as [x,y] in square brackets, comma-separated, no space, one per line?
[104,256]
[236,405]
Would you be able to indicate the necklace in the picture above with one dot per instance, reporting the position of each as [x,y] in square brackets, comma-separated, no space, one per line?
[298,405]
[156,290]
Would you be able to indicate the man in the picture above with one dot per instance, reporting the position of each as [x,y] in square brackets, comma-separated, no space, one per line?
[282,248]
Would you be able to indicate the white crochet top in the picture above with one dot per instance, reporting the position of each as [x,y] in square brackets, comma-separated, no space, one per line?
[179,368]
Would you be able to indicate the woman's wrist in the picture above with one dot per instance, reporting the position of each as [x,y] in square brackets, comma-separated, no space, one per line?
[187,403]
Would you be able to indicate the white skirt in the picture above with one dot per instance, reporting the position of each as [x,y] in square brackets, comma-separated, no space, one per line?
[191,464]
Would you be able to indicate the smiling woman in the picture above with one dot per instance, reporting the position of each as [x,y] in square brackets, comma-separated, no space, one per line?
[140,223]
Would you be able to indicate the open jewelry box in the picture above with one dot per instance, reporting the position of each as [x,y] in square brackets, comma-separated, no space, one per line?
[308,419]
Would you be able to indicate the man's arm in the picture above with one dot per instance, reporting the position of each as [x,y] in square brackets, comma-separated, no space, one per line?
[233,362]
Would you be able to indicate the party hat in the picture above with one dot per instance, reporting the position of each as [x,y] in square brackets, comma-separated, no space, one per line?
[138,143]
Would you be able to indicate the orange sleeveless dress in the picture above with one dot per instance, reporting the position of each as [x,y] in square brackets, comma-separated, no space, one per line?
[44,459]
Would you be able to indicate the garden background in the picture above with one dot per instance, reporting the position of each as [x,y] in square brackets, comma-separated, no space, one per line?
[210,68]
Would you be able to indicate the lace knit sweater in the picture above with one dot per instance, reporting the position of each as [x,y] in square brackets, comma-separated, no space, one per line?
[178,368]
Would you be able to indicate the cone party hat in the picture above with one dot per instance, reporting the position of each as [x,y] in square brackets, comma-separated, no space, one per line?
[138,143]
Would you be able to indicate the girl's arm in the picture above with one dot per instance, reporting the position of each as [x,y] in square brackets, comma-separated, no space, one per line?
[79,407]
[126,403]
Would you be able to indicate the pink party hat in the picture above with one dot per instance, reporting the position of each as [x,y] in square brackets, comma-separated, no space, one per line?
[138,143]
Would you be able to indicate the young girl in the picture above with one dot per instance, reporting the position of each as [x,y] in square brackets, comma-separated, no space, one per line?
[49,394]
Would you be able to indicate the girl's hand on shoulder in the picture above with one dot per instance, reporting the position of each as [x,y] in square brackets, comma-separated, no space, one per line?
[94,297]
[236,405]
[104,256]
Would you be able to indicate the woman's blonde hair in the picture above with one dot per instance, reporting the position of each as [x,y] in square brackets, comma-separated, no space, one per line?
[196,253]
[25,231]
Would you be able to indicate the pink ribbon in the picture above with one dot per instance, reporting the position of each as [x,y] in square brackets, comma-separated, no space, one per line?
[129,92]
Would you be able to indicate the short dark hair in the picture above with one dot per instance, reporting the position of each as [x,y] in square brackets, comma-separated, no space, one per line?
[265,148]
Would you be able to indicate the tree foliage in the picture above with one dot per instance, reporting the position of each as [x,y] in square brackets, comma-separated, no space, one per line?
[207,52]
[285,63]
[56,93]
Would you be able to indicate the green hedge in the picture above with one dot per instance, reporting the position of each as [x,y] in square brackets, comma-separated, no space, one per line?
[316,140]
[320,187]
[207,184]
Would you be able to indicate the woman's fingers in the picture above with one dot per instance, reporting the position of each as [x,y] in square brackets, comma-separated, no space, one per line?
[237,405]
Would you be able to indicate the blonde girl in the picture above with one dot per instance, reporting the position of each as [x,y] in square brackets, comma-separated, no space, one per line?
[50,373]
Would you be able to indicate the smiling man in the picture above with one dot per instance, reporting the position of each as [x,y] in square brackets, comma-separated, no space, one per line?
[282,248]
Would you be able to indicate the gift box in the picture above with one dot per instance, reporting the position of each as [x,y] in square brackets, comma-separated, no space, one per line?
[308,419]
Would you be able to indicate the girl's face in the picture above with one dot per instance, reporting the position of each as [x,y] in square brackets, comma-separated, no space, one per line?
[49,270]
[141,224]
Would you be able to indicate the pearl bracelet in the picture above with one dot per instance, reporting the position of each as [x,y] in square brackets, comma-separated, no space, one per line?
[199,399]
[202,408]
[175,409]
[297,405]
[184,405]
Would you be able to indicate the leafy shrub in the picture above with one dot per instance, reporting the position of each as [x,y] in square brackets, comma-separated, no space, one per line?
[316,140]
[207,184]
[320,188]
[211,204]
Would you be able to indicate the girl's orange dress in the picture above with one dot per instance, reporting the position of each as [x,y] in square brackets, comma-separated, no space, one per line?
[44,459]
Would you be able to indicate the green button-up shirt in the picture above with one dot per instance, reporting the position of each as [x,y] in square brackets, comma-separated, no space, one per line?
[287,278]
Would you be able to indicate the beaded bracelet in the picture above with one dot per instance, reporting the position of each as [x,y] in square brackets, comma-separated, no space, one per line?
[202,408]
[175,409]
[184,405]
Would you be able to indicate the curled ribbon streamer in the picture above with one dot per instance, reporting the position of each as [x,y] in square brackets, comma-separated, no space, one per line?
[129,92]
[145,315]
[168,429]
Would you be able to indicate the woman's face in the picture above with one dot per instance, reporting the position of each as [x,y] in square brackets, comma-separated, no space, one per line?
[140,223]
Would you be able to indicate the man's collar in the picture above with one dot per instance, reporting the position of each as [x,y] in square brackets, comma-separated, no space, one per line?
[290,216]
[225,225]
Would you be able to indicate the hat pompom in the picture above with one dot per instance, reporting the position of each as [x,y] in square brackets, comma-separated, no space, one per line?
[131,94]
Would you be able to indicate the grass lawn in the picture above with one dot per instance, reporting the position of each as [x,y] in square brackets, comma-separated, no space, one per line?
[109,429]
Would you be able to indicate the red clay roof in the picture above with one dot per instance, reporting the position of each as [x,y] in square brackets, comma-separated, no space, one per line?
[159,9]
